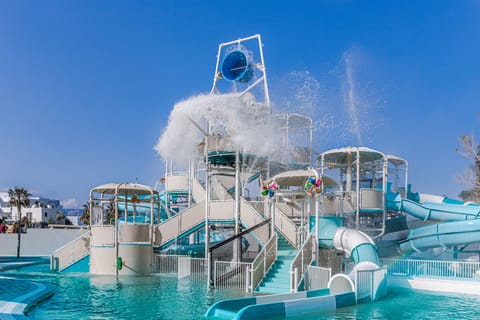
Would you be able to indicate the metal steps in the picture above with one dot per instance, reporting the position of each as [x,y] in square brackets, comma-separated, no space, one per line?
[278,277]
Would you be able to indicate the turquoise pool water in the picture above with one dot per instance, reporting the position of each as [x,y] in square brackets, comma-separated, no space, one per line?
[80,296]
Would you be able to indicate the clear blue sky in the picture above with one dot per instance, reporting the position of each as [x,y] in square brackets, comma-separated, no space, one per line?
[86,87]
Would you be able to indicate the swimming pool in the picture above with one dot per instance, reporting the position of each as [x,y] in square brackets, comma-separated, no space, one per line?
[82,296]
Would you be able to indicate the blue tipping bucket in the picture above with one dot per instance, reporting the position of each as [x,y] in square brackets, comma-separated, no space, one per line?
[236,67]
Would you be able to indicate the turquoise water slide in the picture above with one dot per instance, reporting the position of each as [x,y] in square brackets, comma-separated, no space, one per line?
[460,223]
[447,234]
[280,306]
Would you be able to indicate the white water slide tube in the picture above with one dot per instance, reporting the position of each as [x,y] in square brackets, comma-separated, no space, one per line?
[355,244]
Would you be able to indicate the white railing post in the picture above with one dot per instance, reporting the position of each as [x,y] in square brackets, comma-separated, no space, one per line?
[215,275]
[247,279]
[372,284]
[302,265]
[265,254]
[73,252]
[356,285]
[295,280]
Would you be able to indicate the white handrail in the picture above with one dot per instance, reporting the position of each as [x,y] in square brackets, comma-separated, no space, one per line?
[263,262]
[286,226]
[299,264]
[250,217]
[70,253]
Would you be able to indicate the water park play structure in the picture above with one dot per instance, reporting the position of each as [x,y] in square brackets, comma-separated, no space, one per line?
[265,214]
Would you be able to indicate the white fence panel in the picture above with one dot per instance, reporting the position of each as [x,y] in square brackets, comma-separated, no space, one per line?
[317,277]
[434,268]
[232,275]
[370,285]
[194,268]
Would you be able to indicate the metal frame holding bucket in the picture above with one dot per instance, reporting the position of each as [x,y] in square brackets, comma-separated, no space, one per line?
[236,65]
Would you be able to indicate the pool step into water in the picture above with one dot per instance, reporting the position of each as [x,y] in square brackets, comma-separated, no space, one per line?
[280,305]
[17,296]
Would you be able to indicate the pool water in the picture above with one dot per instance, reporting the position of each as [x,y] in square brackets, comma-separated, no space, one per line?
[83,296]
[405,304]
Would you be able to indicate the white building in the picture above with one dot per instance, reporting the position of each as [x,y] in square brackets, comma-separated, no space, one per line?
[40,210]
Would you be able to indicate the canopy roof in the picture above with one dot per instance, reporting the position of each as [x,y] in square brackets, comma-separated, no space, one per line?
[295,178]
[293,120]
[397,161]
[339,156]
[124,188]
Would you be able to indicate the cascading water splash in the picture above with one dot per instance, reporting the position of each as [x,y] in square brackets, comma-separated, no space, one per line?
[240,118]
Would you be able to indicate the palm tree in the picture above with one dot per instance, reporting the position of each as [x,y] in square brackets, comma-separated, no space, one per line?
[19,197]
[60,217]
[85,217]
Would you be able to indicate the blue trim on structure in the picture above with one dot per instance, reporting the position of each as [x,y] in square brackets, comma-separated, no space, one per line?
[123,244]
[134,244]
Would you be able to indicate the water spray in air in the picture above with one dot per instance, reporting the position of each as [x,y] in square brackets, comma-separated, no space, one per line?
[350,98]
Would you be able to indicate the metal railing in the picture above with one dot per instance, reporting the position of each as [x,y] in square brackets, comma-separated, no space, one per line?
[165,263]
[316,277]
[226,274]
[194,268]
[259,206]
[299,264]
[371,199]
[232,275]
[286,226]
[263,263]
[434,268]
[70,253]
[339,202]
[176,181]
[219,191]
[250,217]
[370,285]
[198,191]
[183,266]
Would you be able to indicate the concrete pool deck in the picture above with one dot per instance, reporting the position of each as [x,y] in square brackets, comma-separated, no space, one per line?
[17,296]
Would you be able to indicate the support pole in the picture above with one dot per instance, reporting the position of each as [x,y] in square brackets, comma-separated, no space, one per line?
[207,227]
[115,199]
[236,245]
[272,216]
[317,210]
[207,214]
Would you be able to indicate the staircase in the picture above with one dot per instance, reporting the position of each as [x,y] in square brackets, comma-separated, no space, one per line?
[278,279]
